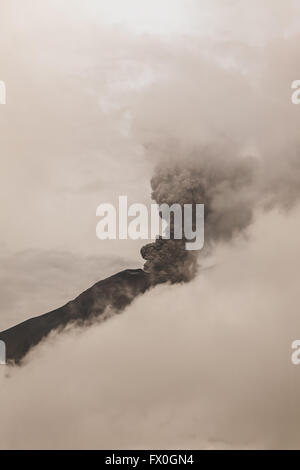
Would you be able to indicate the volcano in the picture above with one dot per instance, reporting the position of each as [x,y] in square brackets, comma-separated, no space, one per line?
[111,294]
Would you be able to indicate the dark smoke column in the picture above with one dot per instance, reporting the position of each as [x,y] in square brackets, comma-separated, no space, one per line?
[209,176]
[169,261]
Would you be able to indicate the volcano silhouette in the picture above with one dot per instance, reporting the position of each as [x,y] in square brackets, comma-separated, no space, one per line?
[113,293]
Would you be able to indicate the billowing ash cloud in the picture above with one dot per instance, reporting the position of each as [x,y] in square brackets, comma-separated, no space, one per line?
[230,186]
[167,260]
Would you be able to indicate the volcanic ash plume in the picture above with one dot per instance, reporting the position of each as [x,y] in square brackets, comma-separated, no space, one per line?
[224,184]
[230,187]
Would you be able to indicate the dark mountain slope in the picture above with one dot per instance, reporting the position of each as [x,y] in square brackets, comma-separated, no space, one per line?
[115,292]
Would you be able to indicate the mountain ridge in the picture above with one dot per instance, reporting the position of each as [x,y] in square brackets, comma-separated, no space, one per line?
[114,292]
